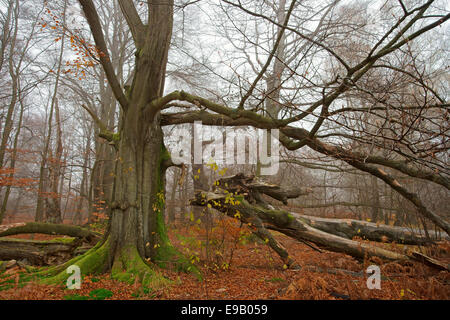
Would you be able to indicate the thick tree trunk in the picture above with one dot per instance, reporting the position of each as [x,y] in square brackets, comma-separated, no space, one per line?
[136,233]
[137,215]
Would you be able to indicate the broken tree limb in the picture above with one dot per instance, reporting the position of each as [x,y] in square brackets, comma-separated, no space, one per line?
[51,229]
[250,218]
[284,222]
[430,261]
[251,185]
[349,228]
[39,253]
[245,203]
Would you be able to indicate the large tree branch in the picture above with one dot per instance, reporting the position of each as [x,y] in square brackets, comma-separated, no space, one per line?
[96,28]
[234,117]
[232,113]
[348,157]
[356,160]
[104,132]
[134,22]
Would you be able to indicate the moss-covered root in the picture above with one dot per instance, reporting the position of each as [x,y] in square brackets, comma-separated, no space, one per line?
[91,262]
[167,255]
[129,267]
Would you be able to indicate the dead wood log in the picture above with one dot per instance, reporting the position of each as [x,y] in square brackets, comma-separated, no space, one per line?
[284,222]
[242,201]
[5,265]
[254,187]
[51,229]
[430,261]
[39,253]
[349,228]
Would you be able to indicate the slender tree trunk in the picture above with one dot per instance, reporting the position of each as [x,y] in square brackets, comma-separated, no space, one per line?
[78,216]
[12,164]
[53,202]
[199,178]
[13,72]
[39,214]
[173,191]
[375,199]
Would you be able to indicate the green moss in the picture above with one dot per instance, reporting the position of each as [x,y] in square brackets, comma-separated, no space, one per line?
[166,253]
[75,297]
[116,136]
[279,217]
[100,294]
[6,287]
[130,267]
[63,240]
[92,262]
[164,155]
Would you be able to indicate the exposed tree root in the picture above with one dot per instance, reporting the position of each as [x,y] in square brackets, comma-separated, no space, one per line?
[127,266]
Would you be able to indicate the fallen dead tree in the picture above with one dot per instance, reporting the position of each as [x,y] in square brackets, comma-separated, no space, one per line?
[37,252]
[237,197]
[44,252]
[349,228]
[50,229]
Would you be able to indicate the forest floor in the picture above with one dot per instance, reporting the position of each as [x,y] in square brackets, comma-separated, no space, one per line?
[237,266]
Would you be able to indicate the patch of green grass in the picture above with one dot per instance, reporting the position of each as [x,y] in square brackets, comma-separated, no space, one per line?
[75,297]
[100,294]
[6,287]
[142,291]
[8,281]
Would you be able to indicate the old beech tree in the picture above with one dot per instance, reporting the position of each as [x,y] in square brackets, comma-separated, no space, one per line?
[136,237]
